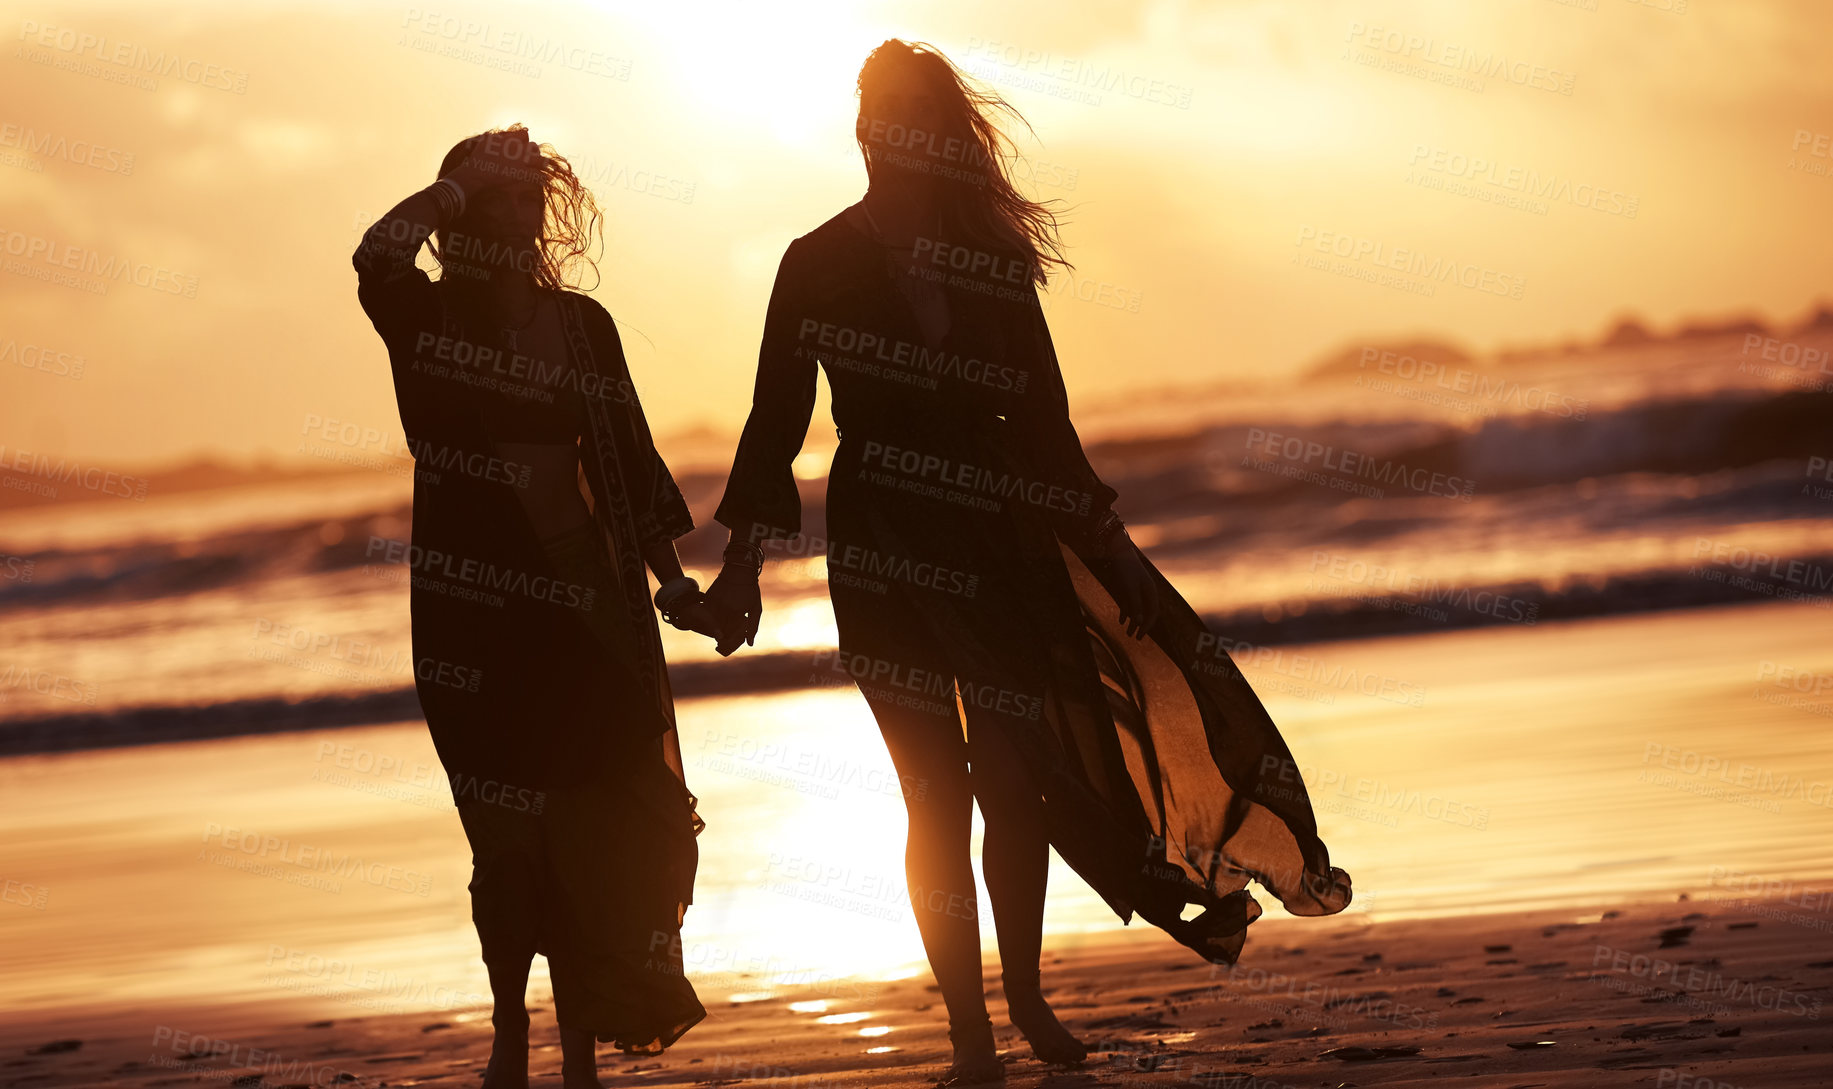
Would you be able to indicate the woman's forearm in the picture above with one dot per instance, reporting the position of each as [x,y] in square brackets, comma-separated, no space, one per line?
[663,561]
[407,226]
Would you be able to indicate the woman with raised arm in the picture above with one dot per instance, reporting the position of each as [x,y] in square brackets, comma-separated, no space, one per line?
[974,555]
[537,659]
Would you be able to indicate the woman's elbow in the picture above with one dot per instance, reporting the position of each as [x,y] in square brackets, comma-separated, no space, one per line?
[363,258]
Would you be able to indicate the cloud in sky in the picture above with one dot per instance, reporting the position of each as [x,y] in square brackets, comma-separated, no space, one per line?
[1199,148]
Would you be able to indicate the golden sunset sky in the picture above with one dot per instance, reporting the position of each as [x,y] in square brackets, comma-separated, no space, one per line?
[1201,148]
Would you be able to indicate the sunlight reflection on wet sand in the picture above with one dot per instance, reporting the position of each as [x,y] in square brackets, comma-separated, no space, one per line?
[1539,766]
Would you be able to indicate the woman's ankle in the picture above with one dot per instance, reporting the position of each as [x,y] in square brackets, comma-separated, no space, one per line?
[971,1034]
[578,1047]
[1022,988]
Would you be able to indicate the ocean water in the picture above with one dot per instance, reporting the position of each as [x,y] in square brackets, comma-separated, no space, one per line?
[1382,499]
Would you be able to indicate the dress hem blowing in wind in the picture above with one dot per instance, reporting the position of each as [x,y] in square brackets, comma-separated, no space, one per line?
[1165,781]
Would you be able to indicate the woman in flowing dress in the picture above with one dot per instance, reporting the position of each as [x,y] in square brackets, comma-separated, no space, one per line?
[538,660]
[975,561]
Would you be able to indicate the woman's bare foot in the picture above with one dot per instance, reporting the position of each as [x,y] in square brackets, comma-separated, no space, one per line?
[578,1059]
[1050,1041]
[508,1068]
[976,1060]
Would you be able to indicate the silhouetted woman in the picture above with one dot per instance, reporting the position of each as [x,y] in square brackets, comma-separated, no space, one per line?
[974,553]
[538,661]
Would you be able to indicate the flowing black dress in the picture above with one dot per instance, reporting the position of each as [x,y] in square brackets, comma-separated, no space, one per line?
[960,503]
[560,750]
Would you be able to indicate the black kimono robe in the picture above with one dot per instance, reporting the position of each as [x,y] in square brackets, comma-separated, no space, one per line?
[483,597]
[532,713]
[1165,781]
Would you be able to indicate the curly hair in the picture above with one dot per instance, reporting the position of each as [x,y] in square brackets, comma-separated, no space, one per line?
[570,219]
[977,189]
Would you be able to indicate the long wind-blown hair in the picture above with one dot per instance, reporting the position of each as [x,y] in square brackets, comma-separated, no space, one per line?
[570,219]
[971,157]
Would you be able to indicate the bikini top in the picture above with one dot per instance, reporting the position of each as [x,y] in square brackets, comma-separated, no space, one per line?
[550,416]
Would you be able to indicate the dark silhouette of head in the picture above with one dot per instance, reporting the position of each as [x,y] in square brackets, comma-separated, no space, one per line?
[922,123]
[542,222]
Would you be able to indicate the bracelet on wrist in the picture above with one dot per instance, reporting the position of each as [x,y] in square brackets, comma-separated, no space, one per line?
[673,592]
[449,196]
[741,554]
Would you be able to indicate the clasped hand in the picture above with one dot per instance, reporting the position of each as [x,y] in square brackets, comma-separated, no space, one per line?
[696,616]
[727,613]
[737,606]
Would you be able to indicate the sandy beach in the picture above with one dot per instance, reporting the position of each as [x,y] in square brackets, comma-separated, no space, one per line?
[1682,995]
[1636,873]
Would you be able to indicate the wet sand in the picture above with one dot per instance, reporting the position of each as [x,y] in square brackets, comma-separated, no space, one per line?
[1679,995]
[1463,778]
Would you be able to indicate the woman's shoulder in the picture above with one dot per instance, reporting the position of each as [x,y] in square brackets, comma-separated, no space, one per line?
[589,308]
[831,249]
[600,327]
[838,231]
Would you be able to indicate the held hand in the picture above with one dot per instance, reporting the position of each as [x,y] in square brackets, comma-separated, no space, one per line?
[698,617]
[737,606]
[1138,590]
